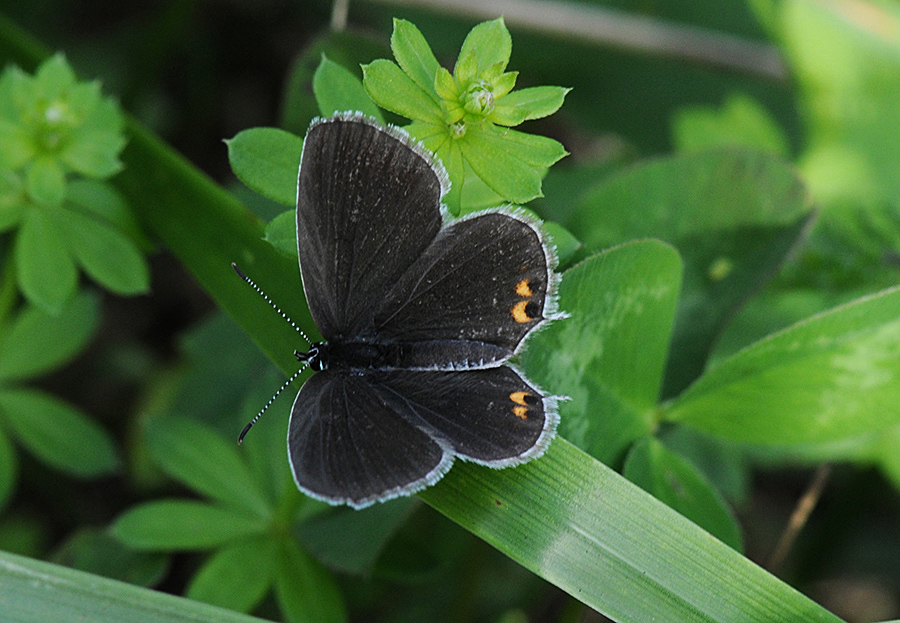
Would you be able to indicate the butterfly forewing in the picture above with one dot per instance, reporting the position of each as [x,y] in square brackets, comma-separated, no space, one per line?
[368,204]
[483,279]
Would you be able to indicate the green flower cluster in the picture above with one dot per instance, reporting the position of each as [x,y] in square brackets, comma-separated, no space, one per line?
[50,124]
[465,117]
[58,138]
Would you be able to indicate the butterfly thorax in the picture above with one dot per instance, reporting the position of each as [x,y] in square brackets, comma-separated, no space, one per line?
[418,355]
[340,354]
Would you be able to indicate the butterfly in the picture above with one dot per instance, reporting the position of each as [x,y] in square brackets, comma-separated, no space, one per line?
[420,317]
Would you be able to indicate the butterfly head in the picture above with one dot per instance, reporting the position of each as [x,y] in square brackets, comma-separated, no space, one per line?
[314,357]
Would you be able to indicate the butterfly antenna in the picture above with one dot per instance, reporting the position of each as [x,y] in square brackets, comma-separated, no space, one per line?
[265,296]
[294,376]
[271,400]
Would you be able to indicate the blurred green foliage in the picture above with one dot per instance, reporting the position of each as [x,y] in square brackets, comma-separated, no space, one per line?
[730,239]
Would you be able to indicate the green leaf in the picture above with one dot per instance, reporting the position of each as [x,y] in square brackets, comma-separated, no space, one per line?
[831,377]
[22,535]
[84,100]
[477,195]
[504,82]
[490,44]
[435,138]
[306,591]
[10,75]
[466,69]
[735,265]
[725,464]
[673,480]
[25,92]
[267,160]
[536,102]
[734,216]
[96,551]
[237,576]
[55,77]
[200,458]
[9,468]
[445,86]
[58,433]
[45,181]
[610,544]
[393,90]
[35,591]
[847,70]
[39,342]
[688,194]
[538,151]
[609,356]
[103,201]
[18,146]
[182,525]
[46,271]
[338,90]
[13,203]
[350,540]
[506,115]
[93,153]
[414,55]
[884,452]
[500,165]
[348,48]
[105,254]
[565,244]
[281,233]
[741,122]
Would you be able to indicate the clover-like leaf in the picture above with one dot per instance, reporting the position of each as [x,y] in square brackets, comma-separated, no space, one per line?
[337,90]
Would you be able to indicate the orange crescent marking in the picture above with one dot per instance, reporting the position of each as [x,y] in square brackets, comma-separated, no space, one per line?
[519,398]
[519,314]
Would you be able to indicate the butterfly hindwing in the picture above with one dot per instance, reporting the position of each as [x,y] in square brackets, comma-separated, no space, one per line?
[345,429]
[368,204]
[492,416]
[343,444]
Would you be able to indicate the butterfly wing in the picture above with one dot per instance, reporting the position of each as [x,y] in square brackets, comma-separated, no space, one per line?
[368,204]
[484,279]
[492,416]
[346,445]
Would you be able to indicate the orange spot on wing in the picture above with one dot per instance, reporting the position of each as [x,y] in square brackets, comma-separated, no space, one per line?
[520,412]
[518,398]
[523,289]
[519,314]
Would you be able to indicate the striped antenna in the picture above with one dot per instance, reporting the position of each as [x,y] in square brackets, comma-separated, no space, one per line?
[265,296]
[271,400]
[294,376]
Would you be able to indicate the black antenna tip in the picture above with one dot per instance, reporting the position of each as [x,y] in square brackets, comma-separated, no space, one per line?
[239,272]
[245,431]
